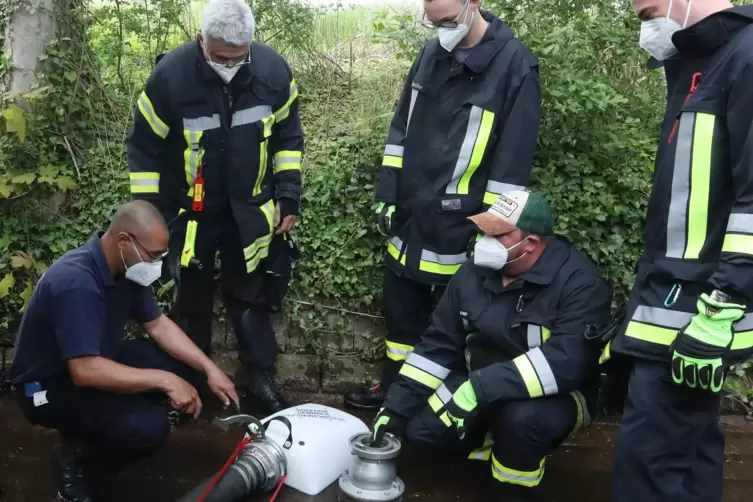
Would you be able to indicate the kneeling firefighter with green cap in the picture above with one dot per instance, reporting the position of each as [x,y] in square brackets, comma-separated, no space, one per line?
[505,371]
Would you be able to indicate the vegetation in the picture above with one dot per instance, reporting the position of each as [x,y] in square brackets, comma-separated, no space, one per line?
[63,168]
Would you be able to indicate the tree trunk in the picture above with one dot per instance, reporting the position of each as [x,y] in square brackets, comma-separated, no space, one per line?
[31,27]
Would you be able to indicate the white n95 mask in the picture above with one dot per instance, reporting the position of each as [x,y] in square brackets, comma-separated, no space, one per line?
[449,38]
[490,253]
[656,34]
[143,273]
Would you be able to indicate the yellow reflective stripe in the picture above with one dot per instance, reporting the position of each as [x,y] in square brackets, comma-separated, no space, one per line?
[420,376]
[284,111]
[147,111]
[516,477]
[144,182]
[189,244]
[398,351]
[392,161]
[287,160]
[546,334]
[487,120]
[485,450]
[528,374]
[583,417]
[437,268]
[742,340]
[651,334]
[444,417]
[259,249]
[606,354]
[395,252]
[738,243]
[700,180]
[263,161]
[435,403]
[192,156]
[490,198]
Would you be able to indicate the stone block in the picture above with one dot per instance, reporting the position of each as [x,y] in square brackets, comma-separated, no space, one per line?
[340,374]
[298,372]
[280,326]
[227,361]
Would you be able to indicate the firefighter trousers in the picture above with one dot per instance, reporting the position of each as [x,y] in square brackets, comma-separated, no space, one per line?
[515,437]
[670,447]
[407,309]
[242,292]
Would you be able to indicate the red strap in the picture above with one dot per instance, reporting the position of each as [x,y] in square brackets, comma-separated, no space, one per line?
[198,191]
[218,477]
[279,487]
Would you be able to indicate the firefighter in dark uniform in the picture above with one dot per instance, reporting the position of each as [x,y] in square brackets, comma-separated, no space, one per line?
[465,131]
[688,318]
[505,366]
[217,145]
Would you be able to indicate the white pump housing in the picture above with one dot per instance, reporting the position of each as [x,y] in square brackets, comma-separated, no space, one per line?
[320,450]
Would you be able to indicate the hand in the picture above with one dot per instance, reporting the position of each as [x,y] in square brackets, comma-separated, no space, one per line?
[387,421]
[183,396]
[384,220]
[222,386]
[462,407]
[699,349]
[287,222]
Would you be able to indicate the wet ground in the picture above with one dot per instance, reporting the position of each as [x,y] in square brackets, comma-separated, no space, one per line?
[579,470]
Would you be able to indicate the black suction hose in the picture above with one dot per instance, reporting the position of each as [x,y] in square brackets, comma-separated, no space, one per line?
[243,477]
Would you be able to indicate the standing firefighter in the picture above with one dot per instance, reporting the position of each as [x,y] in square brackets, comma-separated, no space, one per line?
[216,145]
[464,131]
[686,321]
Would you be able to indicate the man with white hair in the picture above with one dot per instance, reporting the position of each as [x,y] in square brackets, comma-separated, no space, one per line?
[216,145]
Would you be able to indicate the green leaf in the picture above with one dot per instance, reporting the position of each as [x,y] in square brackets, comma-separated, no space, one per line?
[5,285]
[66,183]
[15,121]
[26,179]
[21,260]
[48,171]
[25,295]
[5,190]
[71,76]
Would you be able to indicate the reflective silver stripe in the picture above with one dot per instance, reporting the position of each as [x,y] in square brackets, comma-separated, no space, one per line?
[661,317]
[745,324]
[443,259]
[145,183]
[444,394]
[251,115]
[544,371]
[480,454]
[500,188]
[586,415]
[398,352]
[525,480]
[534,336]
[287,160]
[193,158]
[466,149]
[397,242]
[413,97]
[394,150]
[740,223]
[202,123]
[428,366]
[678,206]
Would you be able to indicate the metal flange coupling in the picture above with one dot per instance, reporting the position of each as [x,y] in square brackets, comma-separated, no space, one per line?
[373,477]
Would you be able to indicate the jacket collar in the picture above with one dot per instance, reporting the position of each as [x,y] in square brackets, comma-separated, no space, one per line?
[496,37]
[543,271]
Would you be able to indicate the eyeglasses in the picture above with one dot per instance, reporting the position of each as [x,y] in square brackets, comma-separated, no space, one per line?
[426,23]
[154,255]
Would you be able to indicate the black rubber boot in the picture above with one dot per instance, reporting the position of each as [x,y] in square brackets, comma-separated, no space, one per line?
[262,386]
[73,483]
[366,398]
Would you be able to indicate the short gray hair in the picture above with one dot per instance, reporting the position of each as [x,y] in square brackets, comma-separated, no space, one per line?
[228,20]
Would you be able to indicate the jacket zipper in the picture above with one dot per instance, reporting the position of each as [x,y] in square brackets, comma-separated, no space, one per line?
[693,87]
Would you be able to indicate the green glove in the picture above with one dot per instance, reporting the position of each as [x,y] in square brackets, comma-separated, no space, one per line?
[386,421]
[461,407]
[384,222]
[698,351]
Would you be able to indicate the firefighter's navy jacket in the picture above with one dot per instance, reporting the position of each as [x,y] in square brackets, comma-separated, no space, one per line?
[243,139]
[461,135]
[699,229]
[524,341]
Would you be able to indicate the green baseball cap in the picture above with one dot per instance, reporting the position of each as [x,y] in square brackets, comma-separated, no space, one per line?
[520,209]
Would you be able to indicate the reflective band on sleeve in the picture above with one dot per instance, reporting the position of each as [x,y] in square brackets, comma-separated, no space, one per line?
[427,365]
[391,161]
[444,264]
[202,123]
[688,209]
[500,188]
[528,374]
[398,351]
[440,398]
[189,244]
[445,418]
[420,376]
[284,111]
[147,111]
[259,249]
[738,244]
[394,150]
[472,150]
[740,223]
[544,371]
[533,332]
[583,417]
[251,115]
[413,98]
[394,247]
[287,160]
[516,477]
[144,182]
